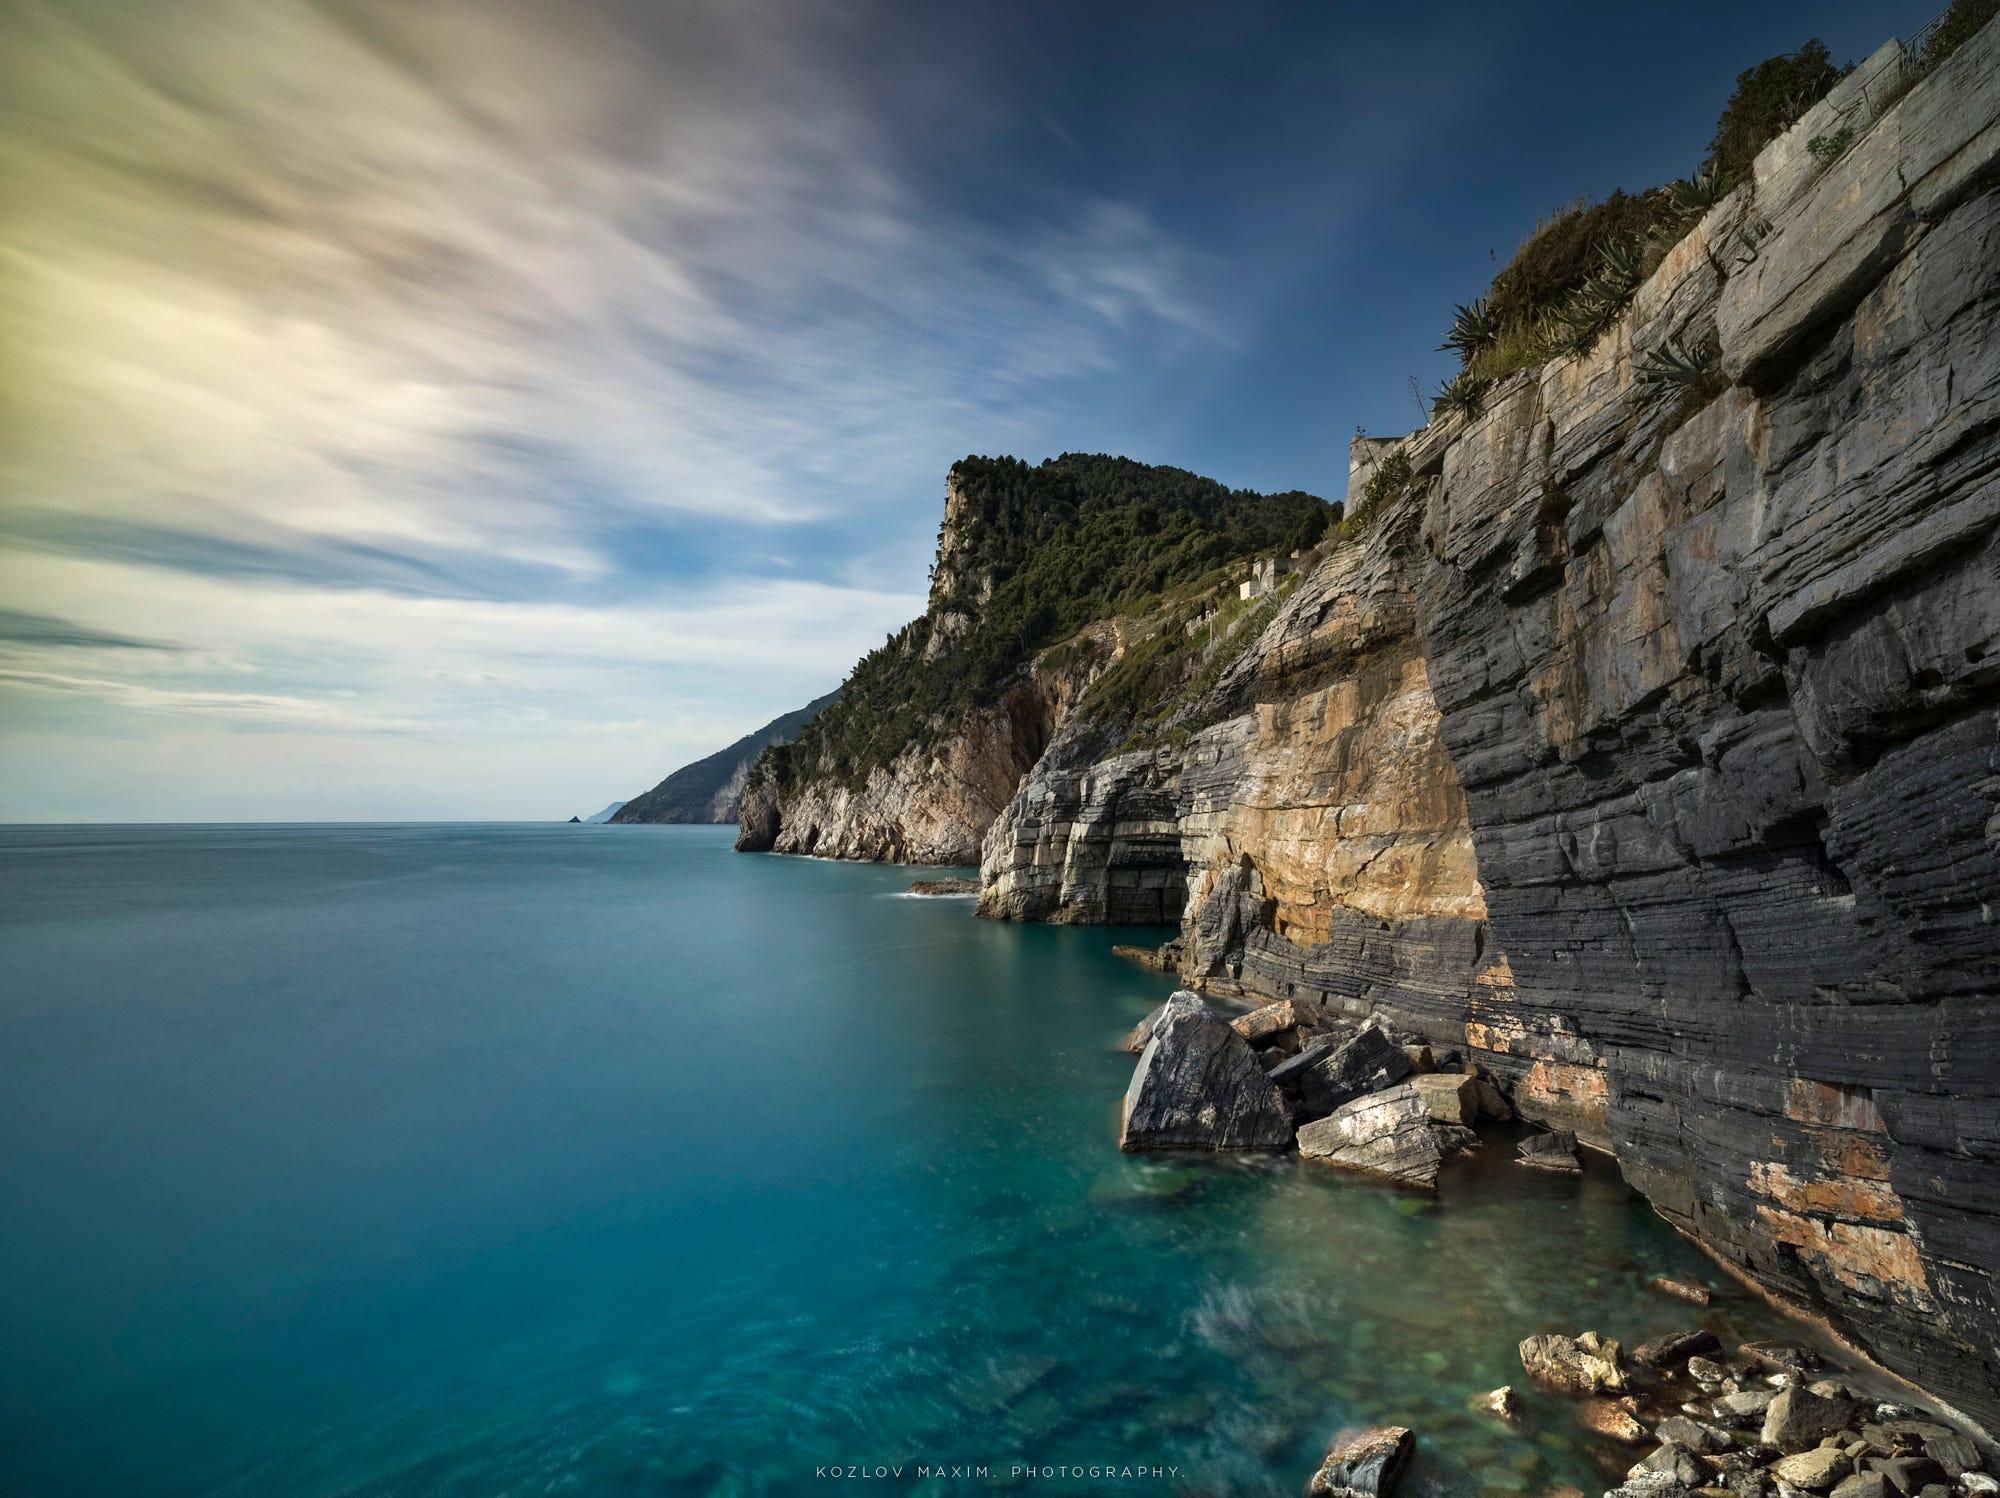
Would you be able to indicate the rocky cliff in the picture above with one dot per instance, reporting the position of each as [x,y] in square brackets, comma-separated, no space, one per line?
[711,789]
[1648,742]
[1042,573]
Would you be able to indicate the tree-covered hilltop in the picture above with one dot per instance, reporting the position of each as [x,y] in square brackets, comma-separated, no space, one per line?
[1036,552]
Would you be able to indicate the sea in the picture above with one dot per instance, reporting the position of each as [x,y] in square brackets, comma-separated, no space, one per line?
[550,1159]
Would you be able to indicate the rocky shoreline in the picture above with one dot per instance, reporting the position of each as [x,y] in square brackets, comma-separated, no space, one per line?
[1641,749]
[1772,1420]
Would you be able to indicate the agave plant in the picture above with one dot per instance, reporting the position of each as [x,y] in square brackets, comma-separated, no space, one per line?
[1473,327]
[1586,312]
[1694,195]
[1464,393]
[1680,366]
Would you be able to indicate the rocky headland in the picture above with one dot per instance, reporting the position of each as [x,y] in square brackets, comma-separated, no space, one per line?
[1632,744]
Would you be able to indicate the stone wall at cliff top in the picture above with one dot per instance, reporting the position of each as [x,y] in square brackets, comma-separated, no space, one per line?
[1655,757]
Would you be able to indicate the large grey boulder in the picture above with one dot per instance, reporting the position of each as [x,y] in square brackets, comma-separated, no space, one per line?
[1366,1062]
[1388,1133]
[1182,1001]
[1799,1419]
[1198,1085]
[1362,1463]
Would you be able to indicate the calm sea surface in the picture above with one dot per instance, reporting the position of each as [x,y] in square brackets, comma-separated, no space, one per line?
[576,1160]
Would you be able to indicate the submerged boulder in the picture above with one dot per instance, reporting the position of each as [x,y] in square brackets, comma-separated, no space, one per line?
[1363,1463]
[1182,1001]
[1198,1085]
[1366,1062]
[1389,1133]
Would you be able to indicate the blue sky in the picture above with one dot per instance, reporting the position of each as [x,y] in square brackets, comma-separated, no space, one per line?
[475,410]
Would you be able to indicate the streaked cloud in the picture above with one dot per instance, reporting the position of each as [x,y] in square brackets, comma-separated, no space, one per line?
[350,342]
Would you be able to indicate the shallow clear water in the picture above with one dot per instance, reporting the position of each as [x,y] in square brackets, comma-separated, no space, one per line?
[536,1159]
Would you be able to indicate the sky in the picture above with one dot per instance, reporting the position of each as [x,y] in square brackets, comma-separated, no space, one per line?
[470,409]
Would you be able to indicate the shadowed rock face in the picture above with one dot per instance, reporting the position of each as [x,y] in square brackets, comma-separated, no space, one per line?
[1198,1085]
[1653,757]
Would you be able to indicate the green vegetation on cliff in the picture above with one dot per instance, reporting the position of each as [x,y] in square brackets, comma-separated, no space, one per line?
[1039,551]
[1577,271]
[701,792]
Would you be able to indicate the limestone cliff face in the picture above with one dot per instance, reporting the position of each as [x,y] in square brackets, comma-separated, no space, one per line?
[932,803]
[1036,567]
[1655,755]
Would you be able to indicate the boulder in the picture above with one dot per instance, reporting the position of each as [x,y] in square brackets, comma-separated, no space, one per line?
[1676,1348]
[1365,1062]
[1573,1365]
[1747,1404]
[1798,1419]
[1861,1485]
[1671,1459]
[1685,1290]
[1907,1474]
[1694,1435]
[1363,1463]
[1262,1026]
[1786,1357]
[1493,1102]
[1502,1401]
[1420,1058]
[1649,1484]
[1952,1452]
[1816,1470]
[1616,1418]
[1198,1085]
[1552,1151]
[1183,1001]
[1451,1098]
[944,886]
[1389,1134]
[1310,1054]
[1706,1371]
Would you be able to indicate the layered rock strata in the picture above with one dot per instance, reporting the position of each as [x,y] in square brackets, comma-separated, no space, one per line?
[1652,754]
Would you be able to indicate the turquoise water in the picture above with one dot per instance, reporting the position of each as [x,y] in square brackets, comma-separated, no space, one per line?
[524,1159]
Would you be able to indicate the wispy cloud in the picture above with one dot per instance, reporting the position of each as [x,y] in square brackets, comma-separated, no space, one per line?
[346,333]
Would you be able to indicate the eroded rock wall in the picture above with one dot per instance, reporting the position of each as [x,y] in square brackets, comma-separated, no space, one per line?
[931,804]
[1655,754]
